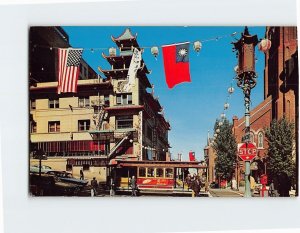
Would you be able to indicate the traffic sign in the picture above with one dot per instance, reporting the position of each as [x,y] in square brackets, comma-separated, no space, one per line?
[246,137]
[247,151]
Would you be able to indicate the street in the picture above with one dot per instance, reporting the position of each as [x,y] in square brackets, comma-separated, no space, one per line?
[224,193]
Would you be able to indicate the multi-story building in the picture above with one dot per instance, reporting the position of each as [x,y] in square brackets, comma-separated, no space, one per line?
[100,123]
[137,111]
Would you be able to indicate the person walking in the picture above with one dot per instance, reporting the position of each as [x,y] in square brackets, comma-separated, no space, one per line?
[206,186]
[252,185]
[133,186]
[271,191]
[188,181]
[112,187]
[233,184]
[196,186]
[81,174]
[94,185]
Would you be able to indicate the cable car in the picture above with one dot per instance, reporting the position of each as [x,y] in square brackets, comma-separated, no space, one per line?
[164,177]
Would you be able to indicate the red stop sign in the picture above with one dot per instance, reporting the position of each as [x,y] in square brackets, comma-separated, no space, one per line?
[247,151]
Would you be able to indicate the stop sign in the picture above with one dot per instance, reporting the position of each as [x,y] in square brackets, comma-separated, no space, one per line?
[247,151]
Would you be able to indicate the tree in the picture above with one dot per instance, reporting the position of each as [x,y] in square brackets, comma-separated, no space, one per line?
[226,149]
[281,139]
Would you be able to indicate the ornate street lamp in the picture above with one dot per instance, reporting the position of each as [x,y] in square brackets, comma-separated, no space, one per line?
[246,80]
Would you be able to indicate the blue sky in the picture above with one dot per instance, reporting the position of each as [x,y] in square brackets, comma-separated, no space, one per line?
[191,108]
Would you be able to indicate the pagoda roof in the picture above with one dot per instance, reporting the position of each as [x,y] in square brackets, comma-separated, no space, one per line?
[153,102]
[126,35]
[163,120]
[119,73]
[114,71]
[126,39]
[122,58]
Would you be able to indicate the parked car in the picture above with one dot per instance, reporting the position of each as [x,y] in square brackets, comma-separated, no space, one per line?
[36,168]
[50,185]
[67,177]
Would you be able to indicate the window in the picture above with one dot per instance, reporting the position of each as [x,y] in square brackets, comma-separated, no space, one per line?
[169,172]
[123,122]
[106,100]
[150,172]
[124,99]
[85,167]
[84,125]
[53,103]
[159,172]
[260,140]
[32,104]
[83,102]
[54,126]
[33,127]
[142,172]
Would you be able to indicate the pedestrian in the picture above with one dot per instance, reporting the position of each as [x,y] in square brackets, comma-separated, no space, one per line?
[81,174]
[284,185]
[196,186]
[112,187]
[252,184]
[133,186]
[94,185]
[271,191]
[188,181]
[233,184]
[206,186]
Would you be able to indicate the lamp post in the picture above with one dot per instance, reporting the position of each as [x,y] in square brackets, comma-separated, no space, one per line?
[40,155]
[246,80]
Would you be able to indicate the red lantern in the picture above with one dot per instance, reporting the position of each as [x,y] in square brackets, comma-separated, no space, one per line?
[264,45]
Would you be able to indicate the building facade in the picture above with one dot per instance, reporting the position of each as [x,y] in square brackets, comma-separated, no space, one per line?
[100,124]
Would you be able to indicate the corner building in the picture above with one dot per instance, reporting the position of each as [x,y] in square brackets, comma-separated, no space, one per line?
[99,124]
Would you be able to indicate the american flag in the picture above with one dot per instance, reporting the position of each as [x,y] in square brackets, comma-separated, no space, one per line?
[68,69]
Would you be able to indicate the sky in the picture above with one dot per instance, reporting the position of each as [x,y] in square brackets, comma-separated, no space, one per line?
[191,108]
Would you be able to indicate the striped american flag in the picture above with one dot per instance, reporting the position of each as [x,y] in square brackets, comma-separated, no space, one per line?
[68,69]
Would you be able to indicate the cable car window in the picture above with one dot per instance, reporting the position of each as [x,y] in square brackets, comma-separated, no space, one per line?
[159,172]
[142,172]
[150,172]
[169,172]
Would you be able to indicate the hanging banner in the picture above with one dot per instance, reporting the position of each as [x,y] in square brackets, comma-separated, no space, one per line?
[135,64]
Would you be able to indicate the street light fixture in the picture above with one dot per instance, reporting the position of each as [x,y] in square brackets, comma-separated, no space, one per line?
[246,80]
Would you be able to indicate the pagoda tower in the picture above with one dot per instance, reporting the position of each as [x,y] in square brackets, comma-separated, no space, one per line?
[135,122]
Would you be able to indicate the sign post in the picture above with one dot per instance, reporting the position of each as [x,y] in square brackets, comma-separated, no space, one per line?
[247,152]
